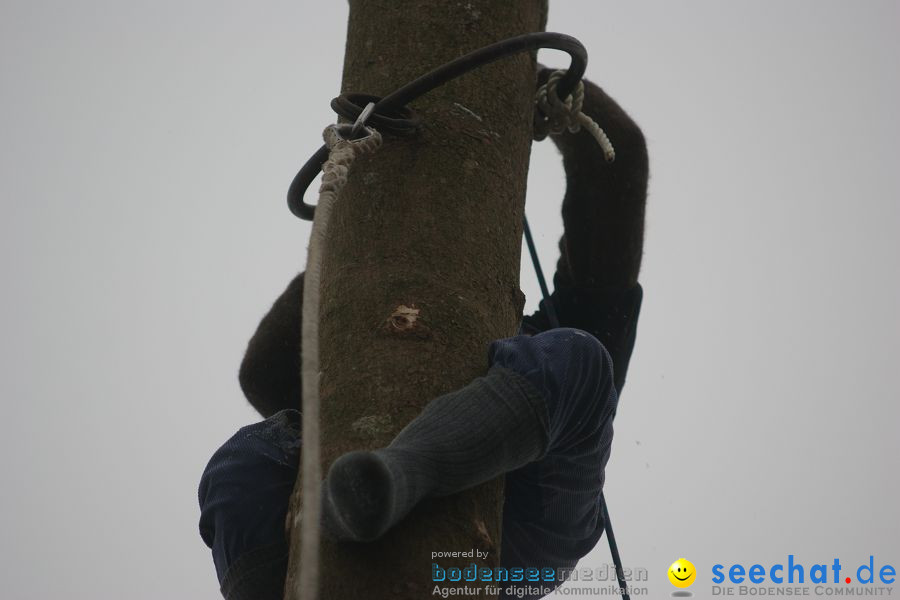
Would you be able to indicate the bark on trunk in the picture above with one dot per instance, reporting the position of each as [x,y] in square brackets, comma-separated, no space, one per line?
[431,223]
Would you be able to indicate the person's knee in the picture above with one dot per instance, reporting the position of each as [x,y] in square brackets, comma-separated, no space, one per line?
[246,487]
[562,362]
[578,363]
[575,347]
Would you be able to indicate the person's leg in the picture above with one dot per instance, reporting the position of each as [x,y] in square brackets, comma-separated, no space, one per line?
[546,404]
[547,396]
[495,424]
[551,515]
[243,495]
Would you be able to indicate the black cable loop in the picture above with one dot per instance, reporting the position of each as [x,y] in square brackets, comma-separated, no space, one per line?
[392,105]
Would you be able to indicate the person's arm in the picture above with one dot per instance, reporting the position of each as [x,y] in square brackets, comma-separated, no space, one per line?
[603,208]
[595,285]
[270,371]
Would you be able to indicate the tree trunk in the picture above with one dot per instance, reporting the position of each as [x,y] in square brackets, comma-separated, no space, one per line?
[432,223]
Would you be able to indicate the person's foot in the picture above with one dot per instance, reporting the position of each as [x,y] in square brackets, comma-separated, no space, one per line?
[495,424]
[358,497]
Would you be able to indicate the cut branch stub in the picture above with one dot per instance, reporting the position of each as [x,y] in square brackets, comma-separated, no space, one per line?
[406,321]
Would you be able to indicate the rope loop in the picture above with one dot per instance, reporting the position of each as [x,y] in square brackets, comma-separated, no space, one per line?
[342,151]
[559,115]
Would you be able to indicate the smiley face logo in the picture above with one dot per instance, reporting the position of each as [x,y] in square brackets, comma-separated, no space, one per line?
[682,573]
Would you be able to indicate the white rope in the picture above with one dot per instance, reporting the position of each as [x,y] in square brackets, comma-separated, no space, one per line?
[561,115]
[341,157]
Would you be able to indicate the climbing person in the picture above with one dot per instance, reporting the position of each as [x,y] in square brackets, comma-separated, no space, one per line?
[542,414]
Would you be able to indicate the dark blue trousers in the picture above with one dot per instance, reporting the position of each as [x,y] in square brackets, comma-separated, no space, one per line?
[551,515]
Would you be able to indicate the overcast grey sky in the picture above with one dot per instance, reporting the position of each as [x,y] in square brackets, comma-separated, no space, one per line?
[147,148]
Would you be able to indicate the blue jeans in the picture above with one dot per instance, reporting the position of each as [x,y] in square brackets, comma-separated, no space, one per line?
[551,514]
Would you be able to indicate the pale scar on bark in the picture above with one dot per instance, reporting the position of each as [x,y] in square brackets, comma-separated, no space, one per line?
[404,318]
[405,321]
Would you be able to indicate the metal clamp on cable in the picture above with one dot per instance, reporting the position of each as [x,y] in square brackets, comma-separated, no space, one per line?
[401,121]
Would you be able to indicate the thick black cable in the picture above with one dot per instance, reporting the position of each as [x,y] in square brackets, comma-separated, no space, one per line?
[393,104]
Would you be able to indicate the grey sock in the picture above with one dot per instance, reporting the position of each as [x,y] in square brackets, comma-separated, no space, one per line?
[495,424]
